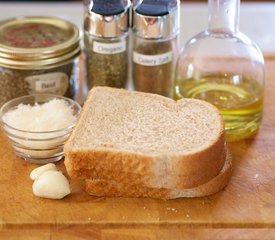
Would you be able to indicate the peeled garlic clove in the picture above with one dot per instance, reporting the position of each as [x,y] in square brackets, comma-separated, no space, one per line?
[51,184]
[40,170]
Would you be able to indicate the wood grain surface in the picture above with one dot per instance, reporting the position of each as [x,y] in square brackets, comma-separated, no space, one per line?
[244,210]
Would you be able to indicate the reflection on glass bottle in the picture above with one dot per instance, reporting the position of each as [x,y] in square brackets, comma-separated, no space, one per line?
[224,67]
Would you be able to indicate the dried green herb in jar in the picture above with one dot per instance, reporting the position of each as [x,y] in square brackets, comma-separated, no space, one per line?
[106,42]
[106,63]
[38,55]
[11,86]
[16,82]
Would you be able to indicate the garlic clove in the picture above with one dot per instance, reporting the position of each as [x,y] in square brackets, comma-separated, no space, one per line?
[51,184]
[40,170]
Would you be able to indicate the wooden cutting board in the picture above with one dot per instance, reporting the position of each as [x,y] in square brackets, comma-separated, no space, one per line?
[244,210]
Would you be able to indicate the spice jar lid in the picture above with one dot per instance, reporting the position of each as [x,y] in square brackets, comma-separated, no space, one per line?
[156,19]
[109,18]
[32,42]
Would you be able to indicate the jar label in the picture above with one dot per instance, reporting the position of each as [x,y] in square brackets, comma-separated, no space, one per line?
[152,60]
[56,83]
[109,48]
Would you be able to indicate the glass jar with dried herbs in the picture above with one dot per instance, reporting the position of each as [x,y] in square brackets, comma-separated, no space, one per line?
[155,28]
[38,55]
[106,43]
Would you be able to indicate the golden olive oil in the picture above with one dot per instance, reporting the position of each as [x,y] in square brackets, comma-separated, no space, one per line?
[239,99]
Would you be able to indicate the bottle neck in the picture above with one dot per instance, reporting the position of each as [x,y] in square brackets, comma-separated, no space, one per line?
[223,15]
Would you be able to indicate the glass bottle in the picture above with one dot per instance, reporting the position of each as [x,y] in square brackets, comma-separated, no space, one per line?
[155,32]
[106,30]
[224,67]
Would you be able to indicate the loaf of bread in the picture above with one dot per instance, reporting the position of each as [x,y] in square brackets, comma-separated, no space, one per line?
[146,140]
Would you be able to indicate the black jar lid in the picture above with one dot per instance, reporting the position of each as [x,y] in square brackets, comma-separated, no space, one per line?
[107,8]
[108,18]
[153,8]
[156,19]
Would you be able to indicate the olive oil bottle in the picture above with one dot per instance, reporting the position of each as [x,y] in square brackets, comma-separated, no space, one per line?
[239,99]
[224,67]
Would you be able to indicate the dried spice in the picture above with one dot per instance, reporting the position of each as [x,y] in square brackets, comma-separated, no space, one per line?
[15,83]
[38,55]
[106,27]
[149,73]
[155,31]
[108,68]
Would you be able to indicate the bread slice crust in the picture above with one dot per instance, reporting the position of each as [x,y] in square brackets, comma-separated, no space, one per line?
[110,188]
[129,167]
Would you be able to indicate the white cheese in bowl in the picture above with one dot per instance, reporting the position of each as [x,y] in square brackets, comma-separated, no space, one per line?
[53,115]
[38,125]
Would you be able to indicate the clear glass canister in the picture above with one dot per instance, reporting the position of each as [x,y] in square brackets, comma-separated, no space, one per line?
[106,25]
[38,55]
[224,67]
[155,33]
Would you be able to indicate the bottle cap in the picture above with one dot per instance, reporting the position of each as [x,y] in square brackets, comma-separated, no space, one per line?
[156,19]
[108,18]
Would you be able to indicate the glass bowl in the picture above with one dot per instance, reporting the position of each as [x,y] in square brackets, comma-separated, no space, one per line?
[38,147]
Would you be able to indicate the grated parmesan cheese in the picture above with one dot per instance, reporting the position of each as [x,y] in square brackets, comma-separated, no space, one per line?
[50,116]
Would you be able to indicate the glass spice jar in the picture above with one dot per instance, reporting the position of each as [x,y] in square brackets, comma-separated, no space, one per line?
[224,67]
[106,26]
[155,30]
[38,55]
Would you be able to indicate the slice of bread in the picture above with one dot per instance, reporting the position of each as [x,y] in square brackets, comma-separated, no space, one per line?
[99,187]
[146,139]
